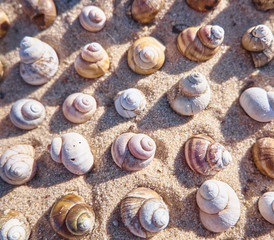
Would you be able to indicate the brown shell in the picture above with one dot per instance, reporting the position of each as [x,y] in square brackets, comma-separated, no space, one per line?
[4,23]
[1,70]
[264,57]
[203,5]
[264,4]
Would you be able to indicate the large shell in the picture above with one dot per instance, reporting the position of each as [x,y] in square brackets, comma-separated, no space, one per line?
[130,102]
[203,5]
[71,217]
[4,23]
[144,213]
[200,43]
[73,151]
[146,55]
[132,152]
[266,206]
[258,104]
[39,61]
[17,164]
[219,206]
[264,4]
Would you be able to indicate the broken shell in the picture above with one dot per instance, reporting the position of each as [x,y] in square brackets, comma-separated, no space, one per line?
[203,5]
[4,23]
[264,5]
[266,206]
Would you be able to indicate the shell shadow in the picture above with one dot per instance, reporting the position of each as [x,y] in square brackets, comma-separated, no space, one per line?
[5,188]
[65,5]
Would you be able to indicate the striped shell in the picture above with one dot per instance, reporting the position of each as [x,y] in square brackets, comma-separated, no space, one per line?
[203,5]
[266,206]
[264,5]
[4,23]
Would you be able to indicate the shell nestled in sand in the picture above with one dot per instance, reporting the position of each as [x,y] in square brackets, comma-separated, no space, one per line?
[264,5]
[4,23]
[266,206]
[203,5]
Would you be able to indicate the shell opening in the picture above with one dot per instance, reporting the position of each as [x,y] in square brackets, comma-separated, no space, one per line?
[96,16]
[209,190]
[160,218]
[16,233]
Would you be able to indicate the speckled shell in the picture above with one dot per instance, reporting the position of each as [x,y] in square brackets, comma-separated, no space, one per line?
[73,151]
[71,217]
[146,55]
[263,155]
[203,5]
[133,152]
[4,23]
[130,102]
[79,107]
[13,226]
[27,114]
[144,213]
[264,5]
[266,206]
[200,43]
[17,164]
[258,104]
[39,61]
[219,206]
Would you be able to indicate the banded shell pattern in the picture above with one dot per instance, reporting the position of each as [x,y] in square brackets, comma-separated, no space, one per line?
[4,23]
[266,206]
[203,5]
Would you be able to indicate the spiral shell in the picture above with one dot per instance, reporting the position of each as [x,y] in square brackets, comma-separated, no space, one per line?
[258,104]
[39,61]
[4,23]
[266,206]
[93,61]
[200,43]
[132,152]
[264,5]
[144,213]
[17,164]
[79,107]
[203,5]
[219,206]
[71,217]
[73,151]
[146,55]
[13,226]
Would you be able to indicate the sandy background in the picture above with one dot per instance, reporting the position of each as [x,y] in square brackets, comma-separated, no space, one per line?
[229,72]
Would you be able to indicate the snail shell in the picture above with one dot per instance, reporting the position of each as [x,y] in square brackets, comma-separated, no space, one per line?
[200,43]
[4,23]
[73,151]
[144,213]
[132,152]
[258,104]
[146,55]
[17,164]
[266,206]
[93,61]
[27,113]
[203,5]
[130,102]
[13,226]
[79,107]
[191,95]
[39,61]
[219,206]
[263,155]
[71,217]
[205,156]
[264,4]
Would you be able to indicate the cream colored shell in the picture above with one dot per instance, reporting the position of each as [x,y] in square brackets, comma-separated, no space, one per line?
[266,206]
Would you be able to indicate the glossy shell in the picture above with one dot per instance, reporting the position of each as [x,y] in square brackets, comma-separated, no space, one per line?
[4,23]
[264,5]
[144,213]
[203,5]
[266,206]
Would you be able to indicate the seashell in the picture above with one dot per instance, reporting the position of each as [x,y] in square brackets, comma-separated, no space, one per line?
[39,61]
[203,5]
[266,206]
[71,217]
[92,18]
[263,155]
[144,212]
[93,61]
[264,5]
[191,95]
[73,151]
[258,104]
[200,43]
[203,155]
[17,164]
[132,152]
[4,23]
[14,226]
[146,55]
[27,113]
[145,11]
[130,102]
[1,70]
[42,13]
[79,107]
[219,206]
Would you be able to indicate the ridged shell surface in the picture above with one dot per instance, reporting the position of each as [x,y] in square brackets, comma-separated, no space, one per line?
[266,206]
[203,5]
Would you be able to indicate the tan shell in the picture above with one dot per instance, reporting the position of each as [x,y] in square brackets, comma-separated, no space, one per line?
[203,5]
[264,5]
[266,206]
[4,23]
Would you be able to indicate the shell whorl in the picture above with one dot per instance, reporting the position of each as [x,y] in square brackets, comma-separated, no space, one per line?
[266,206]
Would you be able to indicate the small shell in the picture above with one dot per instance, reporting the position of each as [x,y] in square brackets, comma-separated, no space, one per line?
[191,95]
[266,206]
[219,206]
[264,5]
[146,55]
[144,213]
[17,164]
[200,43]
[258,104]
[71,217]
[203,5]
[27,113]
[79,107]
[132,152]
[93,61]
[263,155]
[4,23]
[13,226]
[73,151]
[130,102]
[39,61]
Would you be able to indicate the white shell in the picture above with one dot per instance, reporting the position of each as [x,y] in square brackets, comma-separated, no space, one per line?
[266,206]
[39,61]
[258,104]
